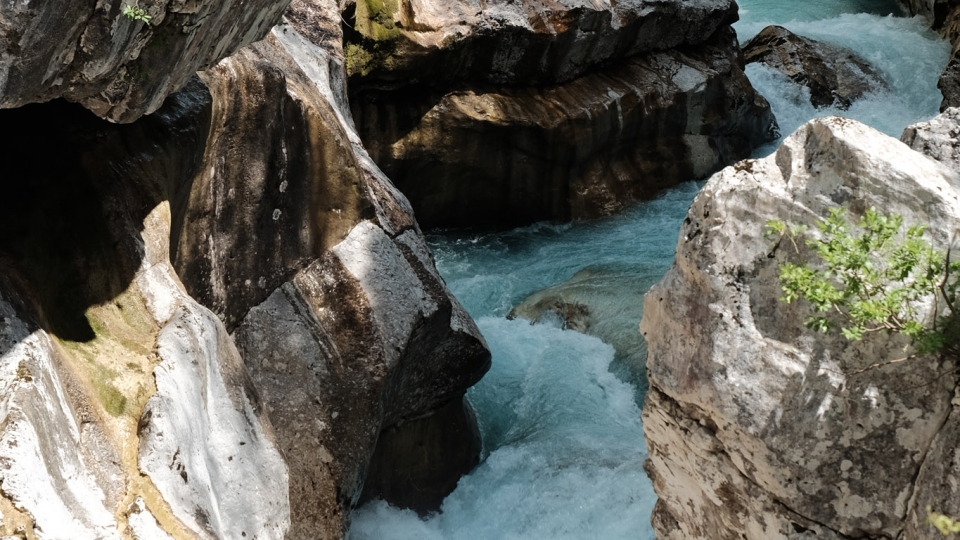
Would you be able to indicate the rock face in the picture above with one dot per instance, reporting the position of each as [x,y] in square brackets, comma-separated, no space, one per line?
[233,328]
[758,428]
[338,312]
[944,17]
[475,153]
[532,42]
[939,138]
[118,66]
[834,75]
[124,406]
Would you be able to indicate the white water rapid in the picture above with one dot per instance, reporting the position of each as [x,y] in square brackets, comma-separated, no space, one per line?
[560,411]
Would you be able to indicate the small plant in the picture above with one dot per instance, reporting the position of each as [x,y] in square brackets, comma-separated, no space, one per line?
[873,277]
[946,525]
[136,14]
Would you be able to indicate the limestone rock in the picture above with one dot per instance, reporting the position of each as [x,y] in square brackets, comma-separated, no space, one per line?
[756,427]
[125,407]
[513,155]
[938,138]
[529,42]
[117,66]
[834,75]
[315,263]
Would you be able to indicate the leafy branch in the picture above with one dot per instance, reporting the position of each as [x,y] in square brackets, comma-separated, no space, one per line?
[136,14]
[874,277]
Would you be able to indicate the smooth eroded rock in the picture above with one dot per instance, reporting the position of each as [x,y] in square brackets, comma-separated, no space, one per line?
[758,428]
[834,75]
[512,155]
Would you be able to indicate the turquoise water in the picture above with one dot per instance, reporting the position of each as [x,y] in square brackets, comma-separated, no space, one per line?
[559,411]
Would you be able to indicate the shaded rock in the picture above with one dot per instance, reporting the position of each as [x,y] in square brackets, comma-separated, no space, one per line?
[758,428]
[586,148]
[123,402]
[938,138]
[119,67]
[315,263]
[834,75]
[532,42]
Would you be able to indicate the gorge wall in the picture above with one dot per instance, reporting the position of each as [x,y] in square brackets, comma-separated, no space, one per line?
[520,112]
[221,320]
[218,316]
[757,427]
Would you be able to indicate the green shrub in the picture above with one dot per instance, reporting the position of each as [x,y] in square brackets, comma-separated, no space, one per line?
[874,277]
[136,14]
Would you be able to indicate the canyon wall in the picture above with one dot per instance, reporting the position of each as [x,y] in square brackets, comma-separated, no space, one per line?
[520,112]
[759,428]
[221,320]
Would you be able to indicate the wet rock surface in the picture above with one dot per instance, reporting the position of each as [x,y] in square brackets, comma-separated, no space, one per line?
[835,76]
[756,427]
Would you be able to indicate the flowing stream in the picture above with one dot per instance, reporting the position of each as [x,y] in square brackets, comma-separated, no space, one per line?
[559,410]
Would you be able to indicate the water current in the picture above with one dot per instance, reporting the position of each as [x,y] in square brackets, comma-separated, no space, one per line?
[560,411]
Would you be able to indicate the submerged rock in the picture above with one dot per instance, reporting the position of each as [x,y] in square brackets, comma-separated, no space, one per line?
[119,66]
[834,75]
[512,155]
[758,428]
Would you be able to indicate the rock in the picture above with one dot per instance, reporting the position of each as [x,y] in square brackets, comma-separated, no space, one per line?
[231,308]
[834,75]
[316,265]
[513,155]
[119,67]
[598,301]
[938,138]
[125,405]
[530,42]
[758,428]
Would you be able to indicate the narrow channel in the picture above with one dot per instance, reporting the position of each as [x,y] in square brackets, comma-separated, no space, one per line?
[560,410]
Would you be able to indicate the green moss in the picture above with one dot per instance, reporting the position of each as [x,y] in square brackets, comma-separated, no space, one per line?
[375,19]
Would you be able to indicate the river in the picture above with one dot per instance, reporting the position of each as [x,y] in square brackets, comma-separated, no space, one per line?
[560,411]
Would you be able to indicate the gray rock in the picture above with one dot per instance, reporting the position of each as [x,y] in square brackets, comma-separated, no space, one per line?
[938,138]
[120,68]
[834,75]
[758,428]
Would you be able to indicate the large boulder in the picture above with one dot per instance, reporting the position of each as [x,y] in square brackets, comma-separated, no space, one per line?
[585,148]
[835,76]
[120,67]
[758,428]
[360,354]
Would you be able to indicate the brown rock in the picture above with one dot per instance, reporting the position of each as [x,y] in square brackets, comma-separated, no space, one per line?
[586,148]
[834,75]
[530,42]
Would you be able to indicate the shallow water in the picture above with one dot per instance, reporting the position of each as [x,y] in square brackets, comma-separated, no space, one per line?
[563,443]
